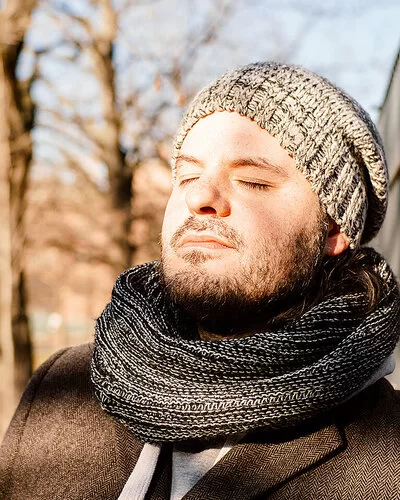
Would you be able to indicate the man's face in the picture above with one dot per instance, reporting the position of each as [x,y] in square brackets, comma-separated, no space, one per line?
[242,225]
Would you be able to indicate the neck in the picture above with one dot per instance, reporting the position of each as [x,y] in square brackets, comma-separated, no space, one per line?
[205,334]
[245,322]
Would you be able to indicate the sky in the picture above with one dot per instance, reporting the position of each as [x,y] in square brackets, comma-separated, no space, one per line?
[358,52]
[354,43]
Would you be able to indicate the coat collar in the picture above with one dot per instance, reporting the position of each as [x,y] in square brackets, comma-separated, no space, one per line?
[264,462]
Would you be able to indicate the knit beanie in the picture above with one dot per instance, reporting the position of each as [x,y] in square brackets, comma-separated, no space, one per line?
[332,139]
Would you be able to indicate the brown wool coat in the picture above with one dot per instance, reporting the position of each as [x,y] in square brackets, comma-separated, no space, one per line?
[62,445]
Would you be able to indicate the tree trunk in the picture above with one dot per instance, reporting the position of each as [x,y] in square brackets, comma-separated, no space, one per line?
[16,110]
[119,173]
[7,392]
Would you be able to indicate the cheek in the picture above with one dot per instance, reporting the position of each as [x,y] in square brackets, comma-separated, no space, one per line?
[277,219]
[265,219]
[175,214]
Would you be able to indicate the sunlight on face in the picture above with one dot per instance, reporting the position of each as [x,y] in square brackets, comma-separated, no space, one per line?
[242,223]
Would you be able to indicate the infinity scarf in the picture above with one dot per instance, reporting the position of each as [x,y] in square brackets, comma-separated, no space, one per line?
[164,387]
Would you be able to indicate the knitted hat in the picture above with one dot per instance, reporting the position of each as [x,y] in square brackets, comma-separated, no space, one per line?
[332,139]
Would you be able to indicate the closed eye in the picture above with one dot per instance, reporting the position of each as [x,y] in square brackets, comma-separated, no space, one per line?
[187,180]
[254,185]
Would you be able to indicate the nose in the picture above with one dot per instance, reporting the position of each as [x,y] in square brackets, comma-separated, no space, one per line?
[205,196]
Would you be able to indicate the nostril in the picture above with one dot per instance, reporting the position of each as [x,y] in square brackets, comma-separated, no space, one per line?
[208,210]
[206,197]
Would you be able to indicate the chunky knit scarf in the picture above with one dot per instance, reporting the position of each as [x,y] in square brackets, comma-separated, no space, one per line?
[165,387]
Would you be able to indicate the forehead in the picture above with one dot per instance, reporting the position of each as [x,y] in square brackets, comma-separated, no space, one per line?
[229,136]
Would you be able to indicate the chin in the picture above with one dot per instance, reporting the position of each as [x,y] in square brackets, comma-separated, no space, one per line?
[201,258]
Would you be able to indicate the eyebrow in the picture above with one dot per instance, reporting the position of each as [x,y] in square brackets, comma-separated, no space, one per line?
[188,159]
[258,162]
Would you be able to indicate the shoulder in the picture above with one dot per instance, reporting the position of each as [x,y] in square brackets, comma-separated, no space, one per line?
[60,434]
[361,453]
[63,371]
[379,404]
[76,358]
[63,367]
[69,364]
[52,385]
[373,420]
[63,377]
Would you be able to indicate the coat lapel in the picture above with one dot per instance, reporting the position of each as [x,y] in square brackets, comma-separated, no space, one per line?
[267,461]
[128,450]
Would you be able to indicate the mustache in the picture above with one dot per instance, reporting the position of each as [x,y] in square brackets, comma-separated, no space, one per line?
[211,223]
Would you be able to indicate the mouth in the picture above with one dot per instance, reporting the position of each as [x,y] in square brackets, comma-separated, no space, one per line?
[204,240]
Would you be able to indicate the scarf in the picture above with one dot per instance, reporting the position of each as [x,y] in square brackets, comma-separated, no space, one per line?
[165,386]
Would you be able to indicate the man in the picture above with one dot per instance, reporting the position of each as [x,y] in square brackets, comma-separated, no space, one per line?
[249,363]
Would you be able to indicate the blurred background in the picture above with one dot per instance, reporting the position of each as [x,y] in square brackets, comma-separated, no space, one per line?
[91,92]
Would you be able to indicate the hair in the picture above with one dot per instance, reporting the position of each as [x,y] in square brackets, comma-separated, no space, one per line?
[353,271]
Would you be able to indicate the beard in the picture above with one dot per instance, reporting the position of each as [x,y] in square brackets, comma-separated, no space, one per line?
[273,280]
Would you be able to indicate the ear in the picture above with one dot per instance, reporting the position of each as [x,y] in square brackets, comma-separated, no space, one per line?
[336,242]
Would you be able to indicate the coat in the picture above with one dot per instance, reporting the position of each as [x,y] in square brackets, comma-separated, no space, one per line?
[62,445]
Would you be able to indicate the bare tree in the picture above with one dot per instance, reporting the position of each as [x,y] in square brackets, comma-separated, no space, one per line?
[95,140]
[16,111]
[102,136]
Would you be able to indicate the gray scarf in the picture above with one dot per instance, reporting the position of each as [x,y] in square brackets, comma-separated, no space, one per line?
[165,387]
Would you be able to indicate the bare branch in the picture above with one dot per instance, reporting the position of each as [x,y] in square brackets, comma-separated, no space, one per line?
[69,245]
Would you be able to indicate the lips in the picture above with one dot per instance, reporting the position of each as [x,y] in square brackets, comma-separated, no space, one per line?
[204,240]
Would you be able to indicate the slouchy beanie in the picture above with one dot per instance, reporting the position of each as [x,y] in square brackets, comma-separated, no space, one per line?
[333,140]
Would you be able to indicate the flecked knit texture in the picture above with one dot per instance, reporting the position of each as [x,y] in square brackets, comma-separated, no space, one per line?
[332,139]
[165,387]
